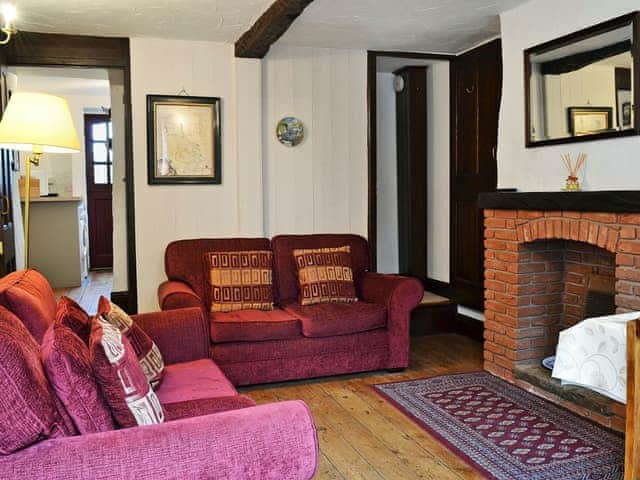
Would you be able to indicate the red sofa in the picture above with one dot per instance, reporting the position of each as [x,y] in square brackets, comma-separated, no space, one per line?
[295,341]
[210,431]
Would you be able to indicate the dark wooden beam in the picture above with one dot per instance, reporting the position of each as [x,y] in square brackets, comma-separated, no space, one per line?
[32,48]
[256,41]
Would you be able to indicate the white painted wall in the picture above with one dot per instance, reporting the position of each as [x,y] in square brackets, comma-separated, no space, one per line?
[387,175]
[118,194]
[171,212]
[320,185]
[611,164]
[437,173]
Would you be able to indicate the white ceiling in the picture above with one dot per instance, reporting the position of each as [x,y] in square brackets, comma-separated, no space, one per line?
[437,26]
[447,26]
[213,20]
[62,81]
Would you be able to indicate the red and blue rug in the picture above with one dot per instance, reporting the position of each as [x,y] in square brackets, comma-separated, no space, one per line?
[507,433]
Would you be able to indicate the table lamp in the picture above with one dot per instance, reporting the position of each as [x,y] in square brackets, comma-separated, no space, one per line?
[37,123]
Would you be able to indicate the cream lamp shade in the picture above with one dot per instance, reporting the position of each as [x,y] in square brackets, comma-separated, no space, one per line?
[38,122]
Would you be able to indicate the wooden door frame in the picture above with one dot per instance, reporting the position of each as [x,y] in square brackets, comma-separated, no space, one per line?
[372,137]
[58,50]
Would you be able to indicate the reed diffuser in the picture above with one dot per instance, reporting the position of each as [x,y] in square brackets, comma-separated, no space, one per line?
[573,183]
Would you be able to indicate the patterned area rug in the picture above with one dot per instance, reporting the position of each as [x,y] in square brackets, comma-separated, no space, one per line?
[507,433]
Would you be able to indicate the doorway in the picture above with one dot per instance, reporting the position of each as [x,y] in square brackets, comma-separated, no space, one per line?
[60,50]
[409,163]
[72,190]
[99,173]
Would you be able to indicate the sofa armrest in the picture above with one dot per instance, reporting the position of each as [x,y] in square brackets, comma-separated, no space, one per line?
[271,441]
[181,335]
[173,295]
[400,295]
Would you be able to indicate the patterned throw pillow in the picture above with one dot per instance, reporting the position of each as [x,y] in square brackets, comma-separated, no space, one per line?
[66,360]
[123,383]
[73,316]
[240,280]
[146,350]
[325,275]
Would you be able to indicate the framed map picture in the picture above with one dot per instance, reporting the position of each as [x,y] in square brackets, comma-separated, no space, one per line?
[183,140]
[589,120]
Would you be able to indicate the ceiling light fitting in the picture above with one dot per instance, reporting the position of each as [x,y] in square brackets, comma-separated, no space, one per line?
[9,15]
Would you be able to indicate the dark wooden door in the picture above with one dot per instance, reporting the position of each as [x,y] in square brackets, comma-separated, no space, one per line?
[411,135]
[99,167]
[7,158]
[476,87]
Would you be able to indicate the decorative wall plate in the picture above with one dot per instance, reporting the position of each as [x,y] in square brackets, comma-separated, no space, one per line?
[290,131]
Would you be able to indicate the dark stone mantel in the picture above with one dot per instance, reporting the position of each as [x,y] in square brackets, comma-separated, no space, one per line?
[613,201]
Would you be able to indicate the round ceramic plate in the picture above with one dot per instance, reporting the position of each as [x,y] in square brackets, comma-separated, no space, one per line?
[290,131]
[549,362]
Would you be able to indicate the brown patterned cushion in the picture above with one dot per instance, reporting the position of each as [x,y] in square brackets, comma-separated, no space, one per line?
[240,280]
[325,275]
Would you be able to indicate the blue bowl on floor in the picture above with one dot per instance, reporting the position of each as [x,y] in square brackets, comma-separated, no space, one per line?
[549,362]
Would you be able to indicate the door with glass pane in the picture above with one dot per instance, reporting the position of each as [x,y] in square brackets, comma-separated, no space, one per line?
[98,136]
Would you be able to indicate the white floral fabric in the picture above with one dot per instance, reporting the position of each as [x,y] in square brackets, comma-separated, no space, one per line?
[593,354]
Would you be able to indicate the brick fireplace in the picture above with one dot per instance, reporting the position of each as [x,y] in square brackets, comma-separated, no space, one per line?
[547,269]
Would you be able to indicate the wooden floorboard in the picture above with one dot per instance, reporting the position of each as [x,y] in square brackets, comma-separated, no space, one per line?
[362,436]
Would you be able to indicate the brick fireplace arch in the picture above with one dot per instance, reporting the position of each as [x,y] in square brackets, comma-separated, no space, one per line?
[538,264]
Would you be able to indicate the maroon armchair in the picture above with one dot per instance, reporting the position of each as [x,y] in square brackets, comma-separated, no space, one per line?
[295,341]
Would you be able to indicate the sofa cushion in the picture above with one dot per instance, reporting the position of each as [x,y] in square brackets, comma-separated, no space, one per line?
[205,406]
[239,280]
[73,316]
[183,258]
[29,296]
[66,360]
[193,381]
[121,379]
[28,408]
[325,275]
[146,350]
[285,277]
[329,319]
[253,326]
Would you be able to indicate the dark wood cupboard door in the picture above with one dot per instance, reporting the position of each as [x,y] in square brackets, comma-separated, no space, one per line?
[98,137]
[476,86]
[7,157]
[411,135]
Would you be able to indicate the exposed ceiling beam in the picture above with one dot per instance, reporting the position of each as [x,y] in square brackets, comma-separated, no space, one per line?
[256,41]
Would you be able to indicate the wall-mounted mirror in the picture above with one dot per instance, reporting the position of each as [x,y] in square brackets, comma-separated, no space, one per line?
[582,86]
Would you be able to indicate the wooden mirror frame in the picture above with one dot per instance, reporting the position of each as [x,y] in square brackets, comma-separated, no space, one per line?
[634,19]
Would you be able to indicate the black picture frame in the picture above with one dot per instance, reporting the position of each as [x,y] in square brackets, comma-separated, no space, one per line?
[213,105]
[574,112]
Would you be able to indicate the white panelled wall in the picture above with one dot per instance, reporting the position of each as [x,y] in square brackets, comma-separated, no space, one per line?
[268,189]
[170,212]
[320,185]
